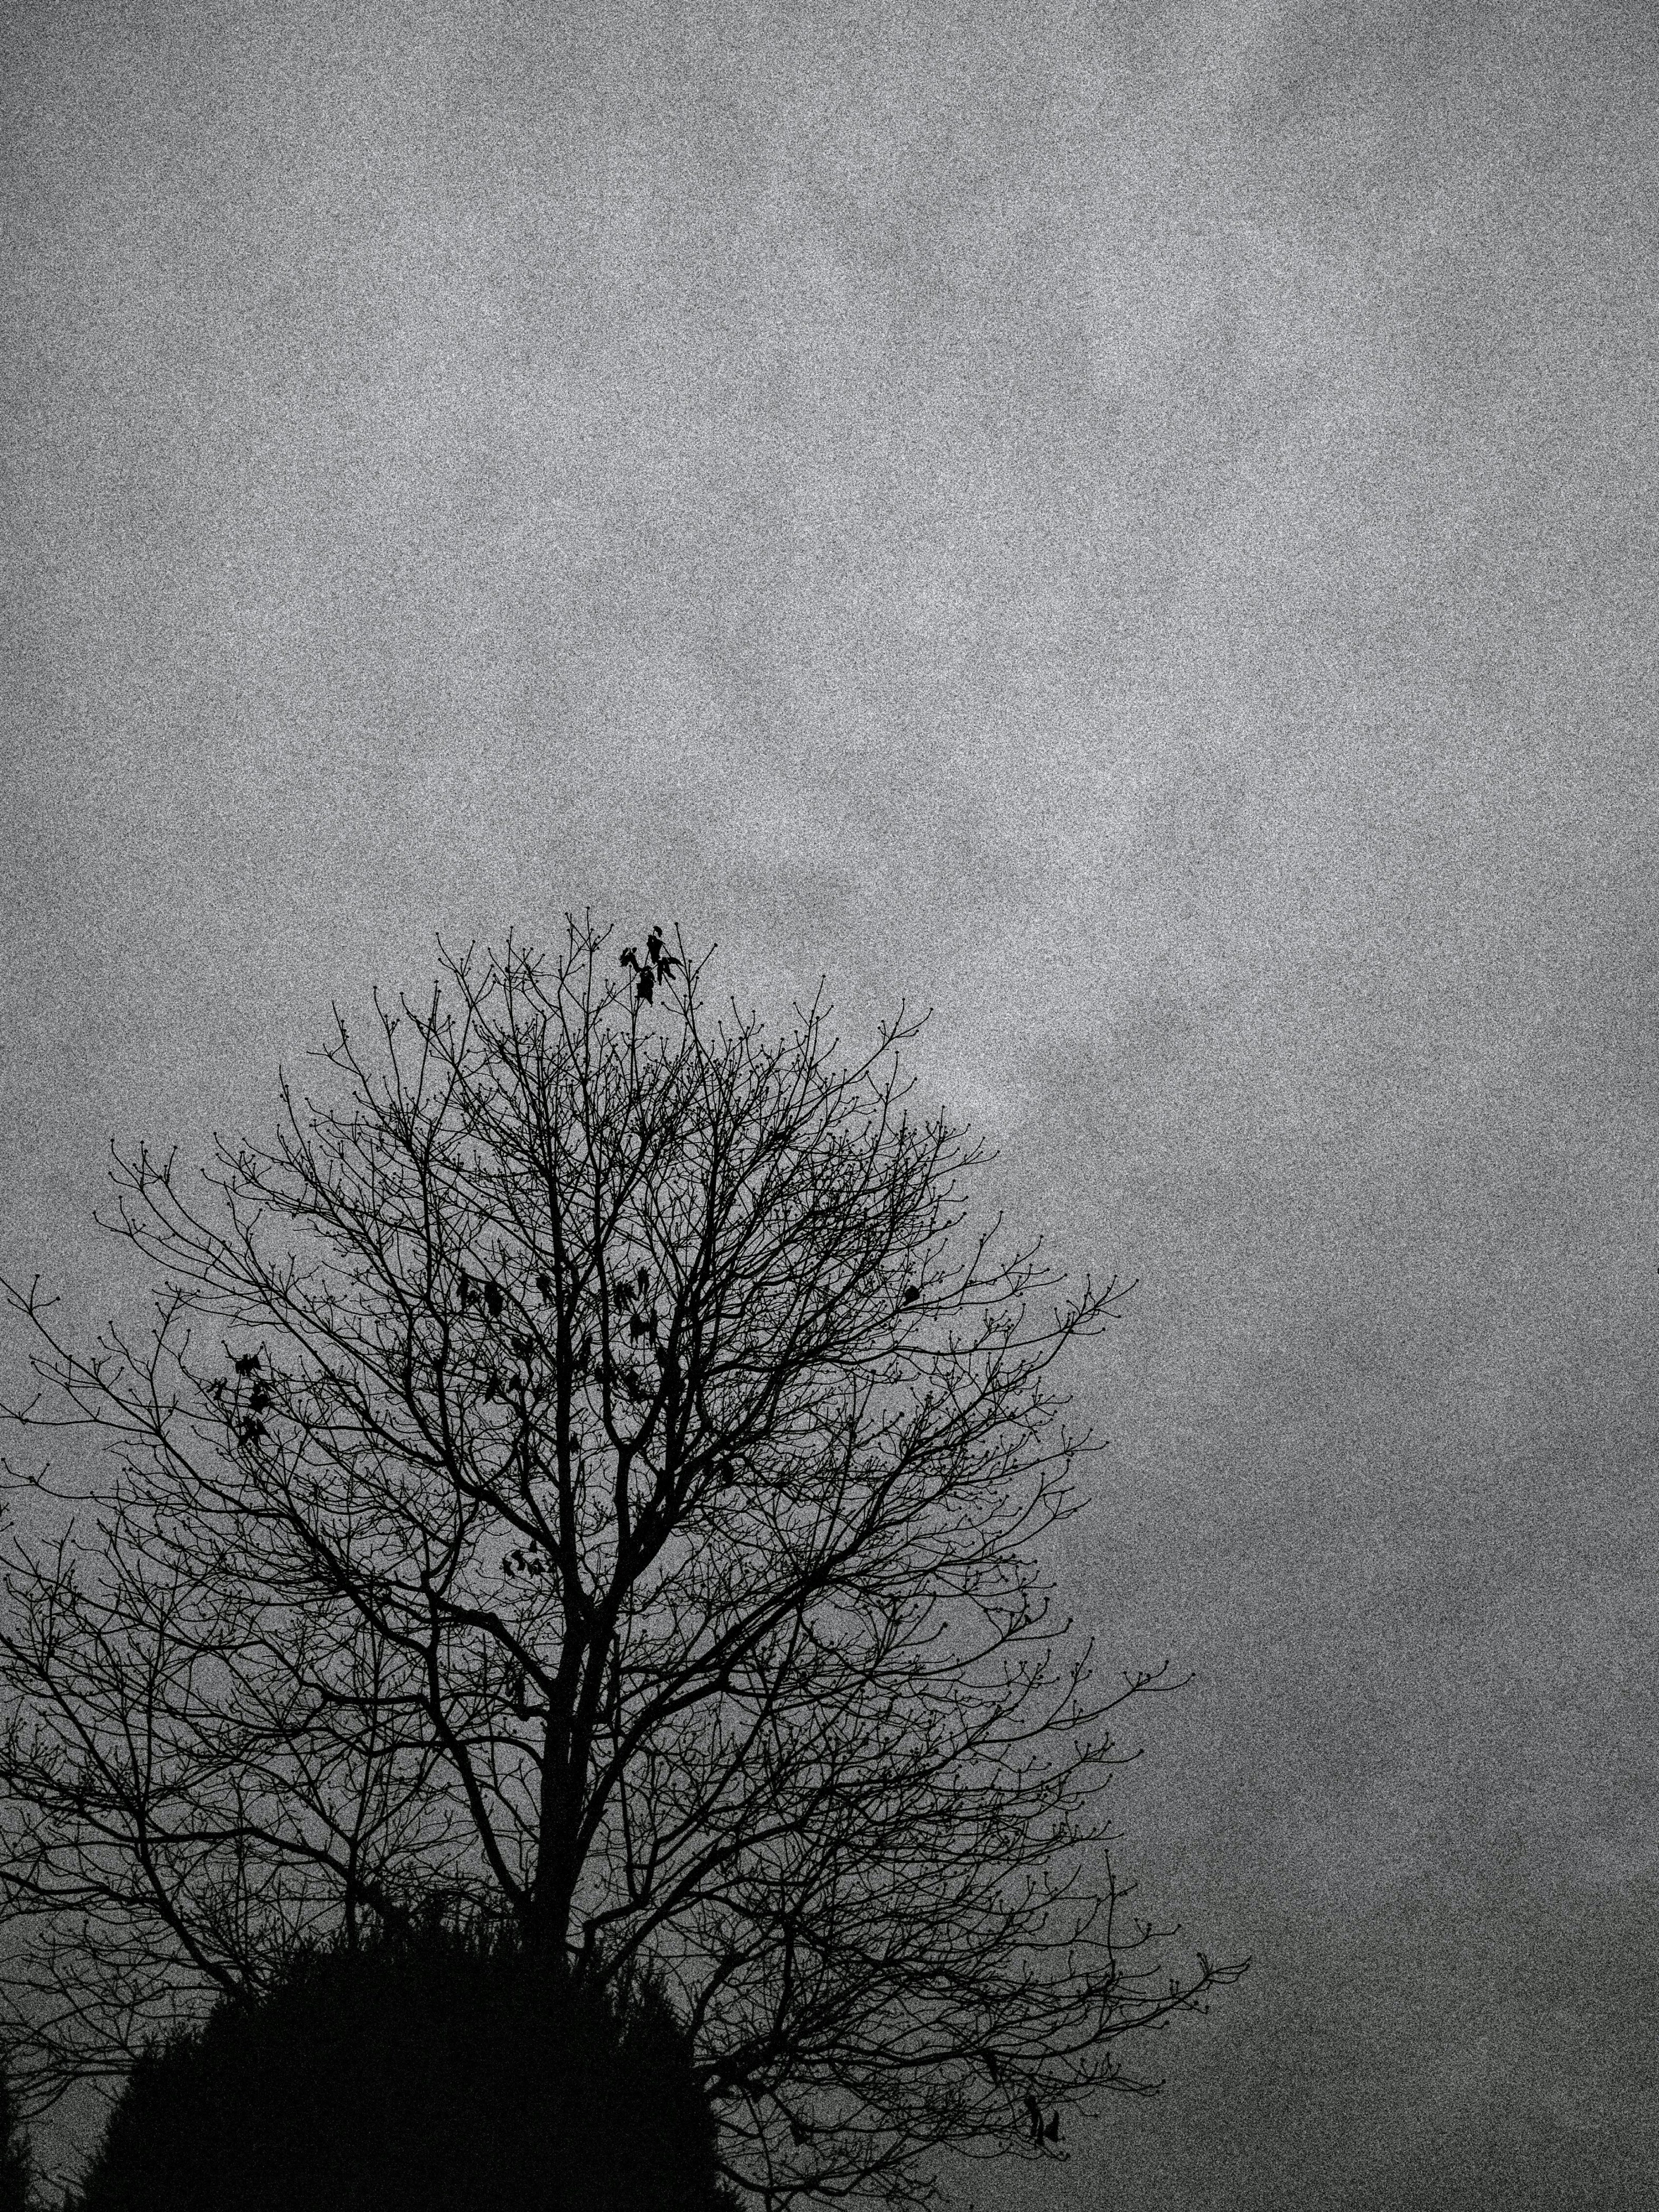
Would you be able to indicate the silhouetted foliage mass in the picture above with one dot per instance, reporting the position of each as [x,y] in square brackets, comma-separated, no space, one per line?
[431,2073]
[16,2168]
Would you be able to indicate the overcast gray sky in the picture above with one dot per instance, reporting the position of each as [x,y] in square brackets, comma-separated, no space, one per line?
[1132,526]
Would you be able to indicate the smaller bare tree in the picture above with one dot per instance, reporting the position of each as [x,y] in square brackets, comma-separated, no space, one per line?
[584,1466]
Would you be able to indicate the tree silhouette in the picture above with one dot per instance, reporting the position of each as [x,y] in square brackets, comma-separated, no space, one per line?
[639,1535]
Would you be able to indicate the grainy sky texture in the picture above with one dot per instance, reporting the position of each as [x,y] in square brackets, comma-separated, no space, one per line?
[1134,526]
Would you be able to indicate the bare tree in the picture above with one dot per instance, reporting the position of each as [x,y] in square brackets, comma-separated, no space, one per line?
[584,1466]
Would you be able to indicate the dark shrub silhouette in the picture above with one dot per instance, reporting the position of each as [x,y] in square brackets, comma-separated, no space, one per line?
[16,2168]
[441,2072]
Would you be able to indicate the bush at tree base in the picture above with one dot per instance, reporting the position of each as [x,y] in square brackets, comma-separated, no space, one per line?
[440,2072]
[16,2167]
